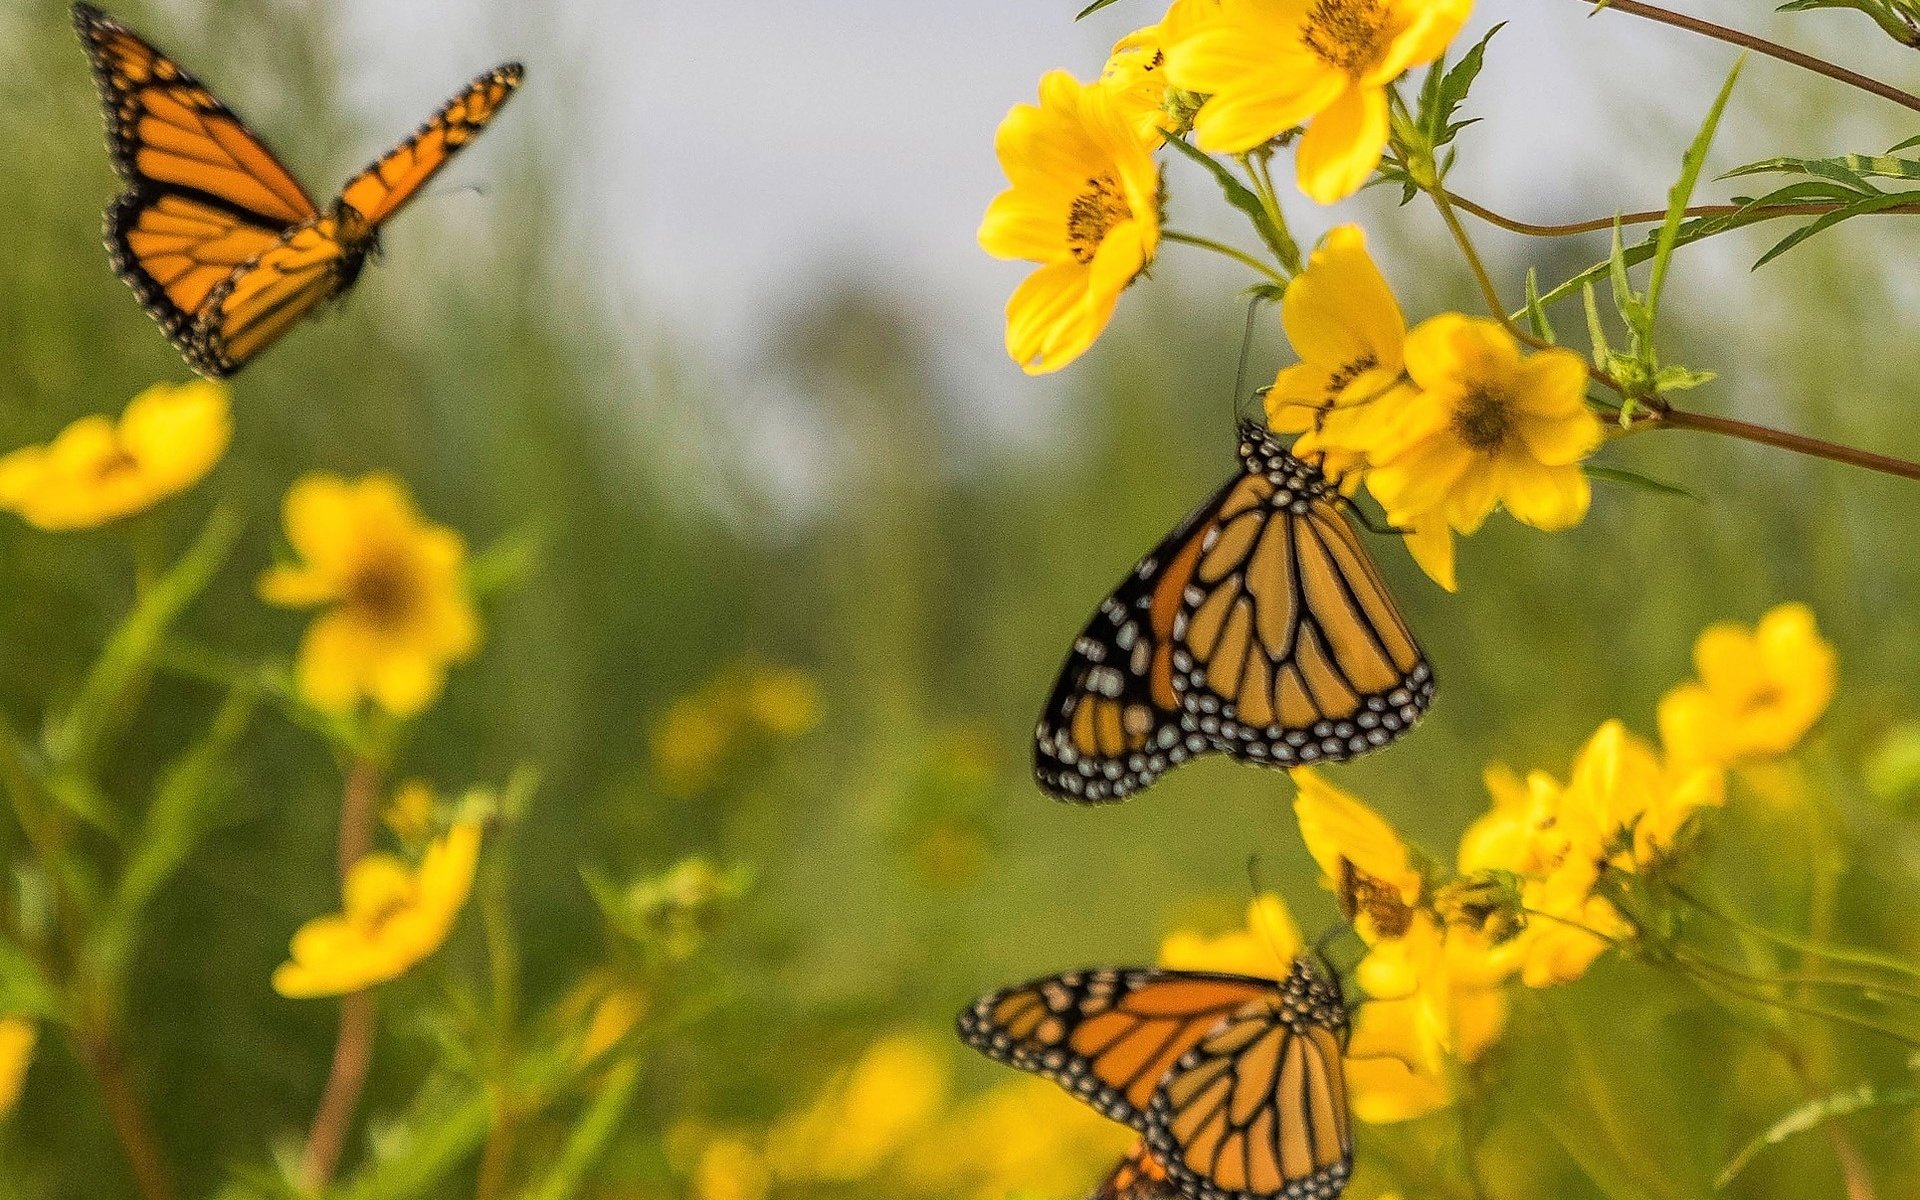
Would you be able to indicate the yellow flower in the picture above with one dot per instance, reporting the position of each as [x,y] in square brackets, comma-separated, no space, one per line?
[1568,928]
[1369,867]
[1343,322]
[783,702]
[1270,65]
[1266,948]
[1758,694]
[399,613]
[1136,75]
[1085,205]
[730,1167]
[95,471]
[1485,426]
[1517,835]
[618,1013]
[393,917]
[1024,1137]
[17,1038]
[410,814]
[863,1117]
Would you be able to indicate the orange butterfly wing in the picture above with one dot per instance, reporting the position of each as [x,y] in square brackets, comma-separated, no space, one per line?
[215,236]
[1107,1036]
[1139,1176]
[1257,1109]
[378,192]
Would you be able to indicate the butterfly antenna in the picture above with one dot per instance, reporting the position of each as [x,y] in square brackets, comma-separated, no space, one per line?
[1246,349]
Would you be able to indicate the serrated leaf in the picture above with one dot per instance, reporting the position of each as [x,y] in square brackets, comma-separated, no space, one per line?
[1239,195]
[1681,379]
[1681,195]
[1643,483]
[1852,170]
[1596,328]
[1453,89]
[1812,1115]
[1858,208]
[1537,312]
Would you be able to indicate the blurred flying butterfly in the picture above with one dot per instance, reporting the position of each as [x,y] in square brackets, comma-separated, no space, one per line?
[1259,628]
[1235,1083]
[223,246]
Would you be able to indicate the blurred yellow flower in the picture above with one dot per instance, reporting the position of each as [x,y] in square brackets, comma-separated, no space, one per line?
[95,471]
[393,917]
[1267,66]
[784,702]
[1568,929]
[1085,205]
[1759,691]
[689,743]
[1266,948]
[1369,867]
[865,1115]
[1483,426]
[398,608]
[1136,75]
[17,1038]
[1023,1137]
[730,1167]
[409,815]
[618,1013]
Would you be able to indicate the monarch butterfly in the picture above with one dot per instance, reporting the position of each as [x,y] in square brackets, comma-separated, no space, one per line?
[1259,628]
[1234,1082]
[223,246]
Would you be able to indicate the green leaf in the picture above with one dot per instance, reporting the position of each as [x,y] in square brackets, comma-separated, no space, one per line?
[1682,193]
[1240,196]
[1681,379]
[1858,208]
[1537,312]
[510,561]
[1622,477]
[1814,1114]
[1893,773]
[111,686]
[1450,92]
[592,1133]
[185,809]
[1851,169]
[1596,328]
[1093,8]
[24,990]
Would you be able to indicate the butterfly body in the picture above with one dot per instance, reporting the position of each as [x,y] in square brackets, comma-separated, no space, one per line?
[1258,628]
[1234,1082]
[219,241]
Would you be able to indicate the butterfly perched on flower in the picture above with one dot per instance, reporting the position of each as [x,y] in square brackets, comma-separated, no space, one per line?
[1234,1082]
[1259,629]
[223,246]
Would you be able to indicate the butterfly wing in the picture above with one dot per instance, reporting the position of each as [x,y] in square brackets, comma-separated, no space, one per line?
[1139,1176]
[204,195]
[376,193]
[1257,1109]
[1259,628]
[1289,647]
[1106,1036]
[1114,723]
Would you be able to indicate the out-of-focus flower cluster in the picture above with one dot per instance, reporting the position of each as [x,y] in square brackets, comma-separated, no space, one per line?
[893,1115]
[701,732]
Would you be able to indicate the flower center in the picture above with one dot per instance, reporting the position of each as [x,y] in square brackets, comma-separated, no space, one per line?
[383,592]
[1484,420]
[1338,381]
[115,464]
[1345,33]
[374,920]
[1093,215]
[1768,696]
[1379,901]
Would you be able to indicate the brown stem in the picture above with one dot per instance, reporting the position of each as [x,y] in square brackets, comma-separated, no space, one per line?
[1733,37]
[1652,216]
[128,1116]
[353,1047]
[1681,419]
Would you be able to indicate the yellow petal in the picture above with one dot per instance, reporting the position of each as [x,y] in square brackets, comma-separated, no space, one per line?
[1546,497]
[1342,145]
[1430,542]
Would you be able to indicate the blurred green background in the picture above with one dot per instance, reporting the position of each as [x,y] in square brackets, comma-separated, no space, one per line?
[885,526]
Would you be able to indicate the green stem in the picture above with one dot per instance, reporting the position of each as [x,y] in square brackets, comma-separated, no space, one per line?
[1655,216]
[1239,256]
[1444,203]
